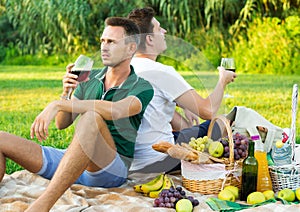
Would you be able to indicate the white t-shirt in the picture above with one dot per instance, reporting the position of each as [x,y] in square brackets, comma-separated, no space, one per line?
[168,85]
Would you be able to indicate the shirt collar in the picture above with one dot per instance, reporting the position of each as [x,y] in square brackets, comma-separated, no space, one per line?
[127,84]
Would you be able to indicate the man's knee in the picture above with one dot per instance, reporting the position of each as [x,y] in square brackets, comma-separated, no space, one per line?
[3,135]
[90,121]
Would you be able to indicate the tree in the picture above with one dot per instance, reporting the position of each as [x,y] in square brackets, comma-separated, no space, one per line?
[50,25]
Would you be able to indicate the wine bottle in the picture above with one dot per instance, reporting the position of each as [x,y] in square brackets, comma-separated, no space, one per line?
[249,173]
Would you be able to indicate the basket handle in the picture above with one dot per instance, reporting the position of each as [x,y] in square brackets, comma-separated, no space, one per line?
[225,122]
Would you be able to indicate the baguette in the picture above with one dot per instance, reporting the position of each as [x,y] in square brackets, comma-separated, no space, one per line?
[175,151]
[162,146]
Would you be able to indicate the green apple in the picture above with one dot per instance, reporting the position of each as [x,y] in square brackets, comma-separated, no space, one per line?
[234,190]
[287,194]
[297,192]
[226,195]
[216,149]
[269,194]
[184,205]
[255,197]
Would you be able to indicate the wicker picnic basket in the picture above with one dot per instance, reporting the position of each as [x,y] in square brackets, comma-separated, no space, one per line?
[288,176]
[232,169]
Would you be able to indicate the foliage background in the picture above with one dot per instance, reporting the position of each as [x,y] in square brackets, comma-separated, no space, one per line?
[262,35]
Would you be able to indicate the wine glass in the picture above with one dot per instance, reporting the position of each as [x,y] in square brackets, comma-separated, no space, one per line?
[229,65]
[82,68]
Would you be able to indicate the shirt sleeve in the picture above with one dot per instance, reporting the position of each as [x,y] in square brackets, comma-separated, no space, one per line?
[168,80]
[78,93]
[144,92]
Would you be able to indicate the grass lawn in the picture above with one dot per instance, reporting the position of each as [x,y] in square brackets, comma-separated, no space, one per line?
[26,90]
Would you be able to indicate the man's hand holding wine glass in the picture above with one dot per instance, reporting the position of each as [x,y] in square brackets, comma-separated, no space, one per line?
[76,73]
[226,75]
[228,67]
[69,81]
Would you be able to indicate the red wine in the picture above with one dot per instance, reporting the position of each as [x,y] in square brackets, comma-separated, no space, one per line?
[230,69]
[82,75]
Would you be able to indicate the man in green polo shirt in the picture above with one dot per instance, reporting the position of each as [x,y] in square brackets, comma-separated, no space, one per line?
[110,107]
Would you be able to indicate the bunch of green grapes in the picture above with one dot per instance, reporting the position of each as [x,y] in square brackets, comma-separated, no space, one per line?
[200,144]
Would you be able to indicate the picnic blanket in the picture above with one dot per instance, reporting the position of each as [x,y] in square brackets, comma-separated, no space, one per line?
[21,188]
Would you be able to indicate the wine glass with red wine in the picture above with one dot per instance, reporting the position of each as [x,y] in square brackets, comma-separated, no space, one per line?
[82,68]
[229,65]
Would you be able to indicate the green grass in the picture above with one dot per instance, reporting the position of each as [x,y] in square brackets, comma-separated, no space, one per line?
[26,90]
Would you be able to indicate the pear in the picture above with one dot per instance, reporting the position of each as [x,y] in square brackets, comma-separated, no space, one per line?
[226,195]
[287,194]
[269,194]
[184,205]
[255,197]
[297,192]
[216,149]
[234,190]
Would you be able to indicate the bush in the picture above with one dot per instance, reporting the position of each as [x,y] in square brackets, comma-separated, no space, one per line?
[54,60]
[270,46]
[212,44]
[2,53]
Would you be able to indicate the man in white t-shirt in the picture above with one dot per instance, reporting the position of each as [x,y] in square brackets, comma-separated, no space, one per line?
[170,89]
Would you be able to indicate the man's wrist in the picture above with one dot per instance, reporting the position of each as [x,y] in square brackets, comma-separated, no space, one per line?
[64,97]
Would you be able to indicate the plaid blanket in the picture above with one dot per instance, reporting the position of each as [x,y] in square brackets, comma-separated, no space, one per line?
[21,188]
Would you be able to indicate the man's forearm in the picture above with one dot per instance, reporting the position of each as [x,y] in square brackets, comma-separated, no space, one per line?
[216,97]
[108,110]
[63,119]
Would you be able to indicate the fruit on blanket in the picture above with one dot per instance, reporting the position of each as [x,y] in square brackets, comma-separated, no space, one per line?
[227,195]
[269,194]
[167,183]
[287,194]
[184,205]
[169,197]
[255,198]
[153,185]
[234,190]
[216,149]
[297,193]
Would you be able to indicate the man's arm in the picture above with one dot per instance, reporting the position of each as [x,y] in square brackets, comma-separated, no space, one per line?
[64,119]
[180,122]
[208,107]
[126,107]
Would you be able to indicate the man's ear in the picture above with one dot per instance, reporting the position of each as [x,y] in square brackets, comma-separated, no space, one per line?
[133,47]
[149,40]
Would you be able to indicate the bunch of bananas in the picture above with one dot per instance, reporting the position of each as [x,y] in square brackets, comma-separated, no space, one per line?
[155,186]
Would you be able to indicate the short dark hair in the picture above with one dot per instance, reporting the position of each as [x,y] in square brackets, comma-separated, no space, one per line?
[131,29]
[143,18]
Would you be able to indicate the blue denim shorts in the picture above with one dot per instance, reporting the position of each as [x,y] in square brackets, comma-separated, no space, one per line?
[113,175]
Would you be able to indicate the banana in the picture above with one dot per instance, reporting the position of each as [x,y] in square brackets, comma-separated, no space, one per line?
[157,179]
[153,185]
[167,183]
[137,188]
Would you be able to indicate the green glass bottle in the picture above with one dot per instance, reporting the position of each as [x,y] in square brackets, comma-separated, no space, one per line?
[249,173]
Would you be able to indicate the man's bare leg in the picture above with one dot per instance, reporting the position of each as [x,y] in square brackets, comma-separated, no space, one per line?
[24,152]
[91,132]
